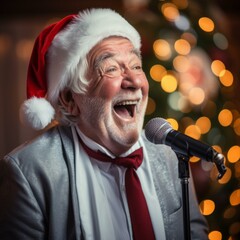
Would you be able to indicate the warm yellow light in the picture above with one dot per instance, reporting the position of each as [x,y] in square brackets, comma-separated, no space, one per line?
[226,177]
[206,24]
[233,154]
[236,126]
[225,117]
[181,63]
[193,131]
[151,107]
[157,72]
[194,159]
[170,11]
[182,47]
[196,95]
[217,148]
[235,198]
[204,124]
[217,66]
[162,49]
[169,83]
[226,78]
[207,207]
[215,235]
[173,123]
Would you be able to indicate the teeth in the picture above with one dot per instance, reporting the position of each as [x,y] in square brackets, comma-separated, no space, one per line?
[124,103]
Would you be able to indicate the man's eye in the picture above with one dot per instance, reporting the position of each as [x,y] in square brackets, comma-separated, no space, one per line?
[137,67]
[111,69]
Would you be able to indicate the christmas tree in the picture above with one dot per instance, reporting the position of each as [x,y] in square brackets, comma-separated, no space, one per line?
[186,59]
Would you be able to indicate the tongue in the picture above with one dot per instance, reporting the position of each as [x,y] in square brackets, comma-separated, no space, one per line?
[122,111]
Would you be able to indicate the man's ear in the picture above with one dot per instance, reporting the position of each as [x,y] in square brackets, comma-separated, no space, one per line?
[67,101]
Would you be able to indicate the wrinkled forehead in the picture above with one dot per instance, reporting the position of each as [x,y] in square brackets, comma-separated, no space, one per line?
[111,47]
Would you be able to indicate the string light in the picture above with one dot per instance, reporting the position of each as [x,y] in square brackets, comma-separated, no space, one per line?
[162,49]
[207,207]
[169,83]
[206,24]
[225,117]
[187,91]
[170,11]
[215,235]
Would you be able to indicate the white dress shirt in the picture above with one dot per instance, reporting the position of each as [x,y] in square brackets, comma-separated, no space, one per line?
[102,198]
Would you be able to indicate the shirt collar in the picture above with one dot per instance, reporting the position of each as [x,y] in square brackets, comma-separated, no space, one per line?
[97,147]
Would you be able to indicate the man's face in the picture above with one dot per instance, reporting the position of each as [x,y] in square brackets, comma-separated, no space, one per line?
[112,111]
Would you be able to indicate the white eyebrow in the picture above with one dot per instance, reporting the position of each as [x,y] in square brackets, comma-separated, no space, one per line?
[108,55]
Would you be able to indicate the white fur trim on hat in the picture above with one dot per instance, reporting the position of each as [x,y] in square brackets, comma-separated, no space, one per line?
[74,42]
[36,113]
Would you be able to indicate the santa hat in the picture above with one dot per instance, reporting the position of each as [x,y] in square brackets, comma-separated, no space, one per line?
[56,53]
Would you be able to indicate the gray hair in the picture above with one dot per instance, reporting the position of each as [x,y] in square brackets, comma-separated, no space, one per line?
[77,83]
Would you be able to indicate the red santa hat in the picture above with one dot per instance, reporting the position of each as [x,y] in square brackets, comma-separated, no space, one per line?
[56,53]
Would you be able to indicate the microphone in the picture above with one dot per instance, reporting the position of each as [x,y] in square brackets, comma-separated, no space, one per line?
[159,131]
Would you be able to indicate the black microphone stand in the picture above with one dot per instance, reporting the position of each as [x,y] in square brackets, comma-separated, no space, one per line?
[183,174]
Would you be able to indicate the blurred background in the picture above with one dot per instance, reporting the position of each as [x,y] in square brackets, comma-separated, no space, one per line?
[191,56]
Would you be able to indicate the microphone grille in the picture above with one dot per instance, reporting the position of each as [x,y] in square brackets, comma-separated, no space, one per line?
[156,130]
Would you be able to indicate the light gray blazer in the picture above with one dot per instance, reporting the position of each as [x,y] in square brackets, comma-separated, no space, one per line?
[38,197]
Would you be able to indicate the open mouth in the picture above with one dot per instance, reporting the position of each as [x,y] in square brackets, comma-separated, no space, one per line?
[126,109]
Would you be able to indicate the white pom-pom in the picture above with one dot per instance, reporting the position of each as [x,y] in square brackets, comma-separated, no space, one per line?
[36,113]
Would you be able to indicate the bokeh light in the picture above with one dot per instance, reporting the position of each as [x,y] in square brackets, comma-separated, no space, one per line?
[199,91]
[235,198]
[151,107]
[181,63]
[169,83]
[157,72]
[207,207]
[233,154]
[220,41]
[170,11]
[236,126]
[193,131]
[204,124]
[162,49]
[215,235]
[173,123]
[206,24]
[217,67]
[182,47]
[225,117]
[196,95]
[226,78]
[227,176]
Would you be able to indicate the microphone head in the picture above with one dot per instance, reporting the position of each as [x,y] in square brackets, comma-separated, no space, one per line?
[156,130]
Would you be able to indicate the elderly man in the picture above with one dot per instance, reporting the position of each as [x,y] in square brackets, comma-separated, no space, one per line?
[93,175]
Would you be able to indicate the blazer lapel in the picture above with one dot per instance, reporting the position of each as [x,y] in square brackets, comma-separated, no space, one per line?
[161,158]
[68,150]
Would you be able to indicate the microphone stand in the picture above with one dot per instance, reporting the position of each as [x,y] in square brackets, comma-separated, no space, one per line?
[183,174]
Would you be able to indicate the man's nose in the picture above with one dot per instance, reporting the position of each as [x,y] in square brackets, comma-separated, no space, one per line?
[132,80]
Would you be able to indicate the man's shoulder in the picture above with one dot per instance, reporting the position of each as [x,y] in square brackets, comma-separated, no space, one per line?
[48,143]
